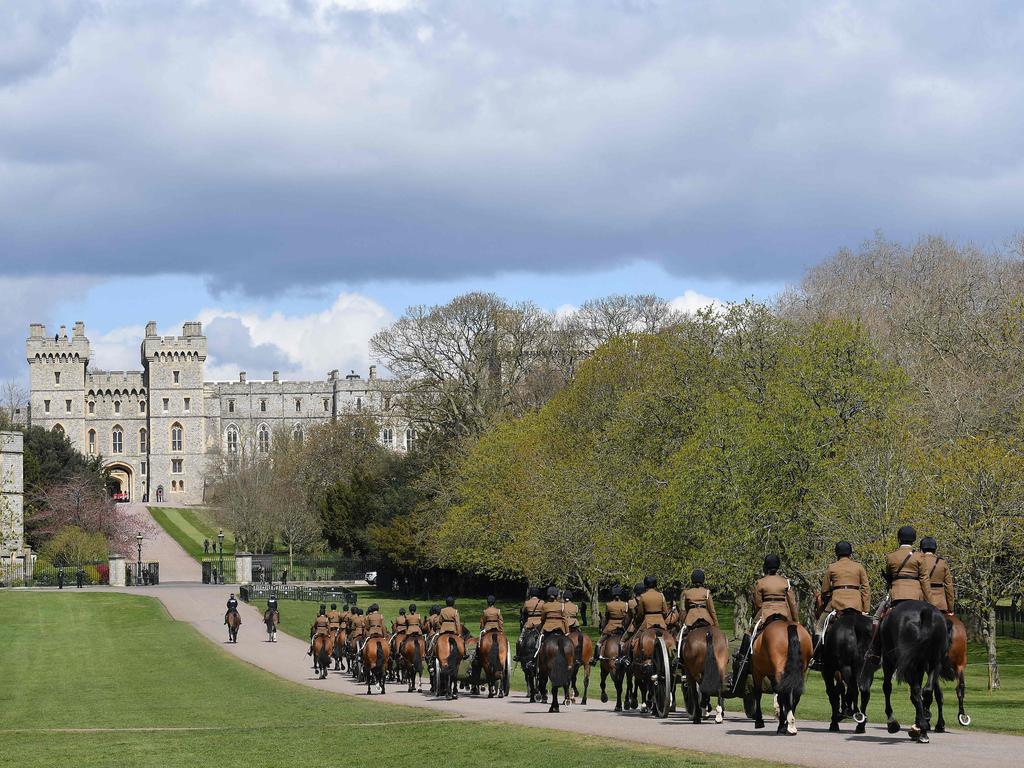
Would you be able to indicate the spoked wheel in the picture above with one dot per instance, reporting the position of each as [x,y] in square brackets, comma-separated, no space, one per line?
[437,678]
[661,694]
[506,679]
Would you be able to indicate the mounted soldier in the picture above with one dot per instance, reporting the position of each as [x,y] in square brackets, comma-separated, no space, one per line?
[375,626]
[613,619]
[773,596]
[491,618]
[940,580]
[232,608]
[321,626]
[553,610]
[531,614]
[334,618]
[844,587]
[652,608]
[449,619]
[698,607]
[413,621]
[572,611]
[400,624]
[907,578]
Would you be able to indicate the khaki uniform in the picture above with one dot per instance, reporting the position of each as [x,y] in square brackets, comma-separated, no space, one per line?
[450,621]
[533,609]
[434,622]
[572,612]
[615,613]
[492,619]
[631,619]
[846,582]
[414,624]
[698,605]
[652,609]
[334,619]
[906,574]
[346,619]
[375,626]
[940,582]
[401,624]
[358,625]
[554,617]
[321,626]
[774,597]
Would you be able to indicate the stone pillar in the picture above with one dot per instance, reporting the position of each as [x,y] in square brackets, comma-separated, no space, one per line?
[117,571]
[12,520]
[243,567]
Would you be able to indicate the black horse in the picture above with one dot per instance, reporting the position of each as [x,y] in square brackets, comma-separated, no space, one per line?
[526,655]
[914,642]
[842,657]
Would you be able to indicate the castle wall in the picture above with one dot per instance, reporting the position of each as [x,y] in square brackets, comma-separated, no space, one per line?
[12,486]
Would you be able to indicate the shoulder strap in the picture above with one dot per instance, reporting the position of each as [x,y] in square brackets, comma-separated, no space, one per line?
[905,561]
[932,571]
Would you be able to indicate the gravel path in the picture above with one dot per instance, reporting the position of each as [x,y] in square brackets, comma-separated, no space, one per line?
[203,607]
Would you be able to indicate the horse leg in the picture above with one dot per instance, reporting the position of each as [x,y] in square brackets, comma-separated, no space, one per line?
[919,732]
[940,724]
[604,678]
[831,688]
[586,683]
[963,718]
[892,724]
[693,701]
[720,709]
[758,716]
[617,681]
[865,695]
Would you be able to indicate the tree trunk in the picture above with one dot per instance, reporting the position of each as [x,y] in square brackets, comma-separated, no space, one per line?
[595,608]
[291,556]
[988,631]
[741,615]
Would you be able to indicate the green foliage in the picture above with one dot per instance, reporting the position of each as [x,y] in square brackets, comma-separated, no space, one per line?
[72,545]
[50,458]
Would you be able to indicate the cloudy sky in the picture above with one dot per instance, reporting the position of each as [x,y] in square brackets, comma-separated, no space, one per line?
[294,173]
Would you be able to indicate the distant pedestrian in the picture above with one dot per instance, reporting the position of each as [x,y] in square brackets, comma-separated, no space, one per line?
[215,575]
[60,577]
[284,577]
[583,612]
[206,546]
[80,577]
[394,585]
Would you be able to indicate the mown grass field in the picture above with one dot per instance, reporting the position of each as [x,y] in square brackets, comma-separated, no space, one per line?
[189,527]
[131,687]
[1001,710]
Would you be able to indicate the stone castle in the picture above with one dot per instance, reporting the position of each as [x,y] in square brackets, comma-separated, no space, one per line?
[156,428]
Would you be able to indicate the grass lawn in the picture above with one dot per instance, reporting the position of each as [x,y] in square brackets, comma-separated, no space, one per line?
[992,711]
[135,688]
[189,527]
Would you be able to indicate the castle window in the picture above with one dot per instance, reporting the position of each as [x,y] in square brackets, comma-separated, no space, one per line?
[59,429]
[264,439]
[46,406]
[67,406]
[174,485]
[297,434]
[117,406]
[232,440]
[359,403]
[177,466]
[231,406]
[387,403]
[410,439]
[142,406]
[263,406]
[177,377]
[298,405]
[327,405]
[181,485]
[387,436]
[117,440]
[56,378]
[167,403]
[177,435]
[92,442]
[188,404]
[92,406]
[144,468]
[143,441]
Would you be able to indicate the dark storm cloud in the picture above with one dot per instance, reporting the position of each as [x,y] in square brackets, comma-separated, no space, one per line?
[273,144]
[229,342]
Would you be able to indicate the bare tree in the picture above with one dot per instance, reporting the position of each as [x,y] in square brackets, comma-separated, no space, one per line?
[82,502]
[13,404]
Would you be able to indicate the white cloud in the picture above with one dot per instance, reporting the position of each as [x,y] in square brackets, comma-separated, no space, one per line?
[118,350]
[692,301]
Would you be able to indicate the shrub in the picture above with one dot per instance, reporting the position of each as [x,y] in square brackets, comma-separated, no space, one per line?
[71,546]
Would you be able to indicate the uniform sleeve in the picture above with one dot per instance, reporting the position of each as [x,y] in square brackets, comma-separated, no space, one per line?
[501,621]
[826,585]
[757,600]
[483,619]
[523,614]
[711,608]
[865,591]
[664,607]
[923,578]
[794,609]
[947,584]
[458,622]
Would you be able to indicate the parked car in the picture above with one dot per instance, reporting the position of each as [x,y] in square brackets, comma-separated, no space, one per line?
[371,578]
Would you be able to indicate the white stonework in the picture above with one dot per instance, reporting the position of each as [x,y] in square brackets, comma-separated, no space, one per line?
[243,568]
[117,571]
[134,418]
[12,481]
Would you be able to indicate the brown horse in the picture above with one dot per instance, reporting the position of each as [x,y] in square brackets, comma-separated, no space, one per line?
[234,622]
[323,647]
[376,651]
[611,649]
[412,652]
[780,655]
[583,658]
[952,669]
[271,619]
[340,641]
[492,657]
[449,650]
[705,657]
[556,658]
[652,673]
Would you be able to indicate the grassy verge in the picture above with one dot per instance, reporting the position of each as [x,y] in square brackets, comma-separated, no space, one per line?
[190,527]
[991,710]
[131,667]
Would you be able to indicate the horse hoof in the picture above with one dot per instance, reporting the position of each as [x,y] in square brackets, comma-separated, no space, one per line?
[914,732]
[940,727]
[861,728]
[833,727]
[604,698]
[791,729]
[964,719]
[618,707]
[759,723]
[860,718]
[923,739]
[893,726]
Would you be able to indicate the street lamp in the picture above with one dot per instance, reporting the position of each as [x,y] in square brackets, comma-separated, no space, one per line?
[220,541]
[138,575]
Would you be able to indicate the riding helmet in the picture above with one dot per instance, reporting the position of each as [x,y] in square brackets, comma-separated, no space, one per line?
[412,607]
[490,599]
[844,549]
[334,606]
[322,611]
[373,608]
[552,593]
[638,589]
[617,591]
[567,595]
[650,582]
[344,607]
[929,544]
[697,577]
[323,607]
[907,534]
[772,563]
[401,611]
[449,601]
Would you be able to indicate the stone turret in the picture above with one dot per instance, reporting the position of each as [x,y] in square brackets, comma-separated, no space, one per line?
[57,367]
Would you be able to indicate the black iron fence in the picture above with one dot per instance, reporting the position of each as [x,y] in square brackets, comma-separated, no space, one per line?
[45,574]
[306,593]
[1009,621]
[306,568]
[218,570]
[142,574]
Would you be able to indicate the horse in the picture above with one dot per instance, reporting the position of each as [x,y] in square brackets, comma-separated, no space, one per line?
[583,658]
[609,652]
[375,653]
[705,659]
[492,658]
[271,619]
[468,674]
[526,653]
[234,622]
[842,657]
[323,646]
[351,653]
[449,651]
[340,641]
[952,669]
[646,645]
[555,660]
[914,642]
[780,655]
[411,653]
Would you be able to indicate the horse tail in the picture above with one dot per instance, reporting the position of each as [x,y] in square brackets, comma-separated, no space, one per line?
[559,667]
[922,654]
[711,679]
[416,654]
[792,683]
[947,665]
[378,666]
[493,661]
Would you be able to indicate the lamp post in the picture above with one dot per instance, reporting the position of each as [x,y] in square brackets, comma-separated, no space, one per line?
[138,573]
[220,546]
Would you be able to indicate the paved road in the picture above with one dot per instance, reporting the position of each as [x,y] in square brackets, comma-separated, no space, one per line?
[203,607]
[175,564]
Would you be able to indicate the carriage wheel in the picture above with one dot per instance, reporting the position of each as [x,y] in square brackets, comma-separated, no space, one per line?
[661,694]
[749,701]
[437,678]
[506,680]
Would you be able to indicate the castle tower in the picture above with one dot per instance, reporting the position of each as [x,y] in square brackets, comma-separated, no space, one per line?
[57,367]
[174,369]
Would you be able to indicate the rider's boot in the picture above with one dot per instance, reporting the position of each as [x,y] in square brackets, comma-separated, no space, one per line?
[815,663]
[873,657]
